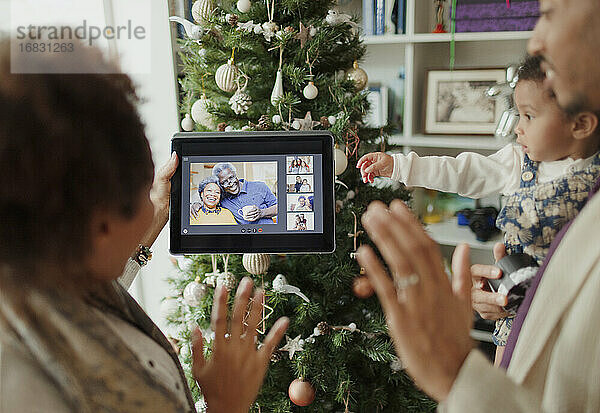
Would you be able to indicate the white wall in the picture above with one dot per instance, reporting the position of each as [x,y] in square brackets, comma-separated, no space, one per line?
[159,111]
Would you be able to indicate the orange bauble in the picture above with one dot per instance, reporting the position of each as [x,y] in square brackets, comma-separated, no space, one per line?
[301,392]
[362,287]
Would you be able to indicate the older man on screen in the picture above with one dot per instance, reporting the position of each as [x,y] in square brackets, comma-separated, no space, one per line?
[552,354]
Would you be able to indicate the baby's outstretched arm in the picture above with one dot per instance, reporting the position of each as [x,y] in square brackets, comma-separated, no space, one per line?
[375,164]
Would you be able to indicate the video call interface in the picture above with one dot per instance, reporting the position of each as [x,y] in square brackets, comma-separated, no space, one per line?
[252,194]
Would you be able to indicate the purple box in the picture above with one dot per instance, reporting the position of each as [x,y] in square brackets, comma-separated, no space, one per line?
[495,16]
[497,10]
[496,24]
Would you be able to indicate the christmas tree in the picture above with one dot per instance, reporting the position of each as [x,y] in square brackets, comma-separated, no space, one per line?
[286,65]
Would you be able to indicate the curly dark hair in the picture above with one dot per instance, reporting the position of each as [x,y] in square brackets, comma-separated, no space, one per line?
[210,180]
[530,69]
[70,145]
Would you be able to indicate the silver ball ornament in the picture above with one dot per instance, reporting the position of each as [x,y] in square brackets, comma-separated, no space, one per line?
[194,292]
[358,76]
[226,76]
[227,280]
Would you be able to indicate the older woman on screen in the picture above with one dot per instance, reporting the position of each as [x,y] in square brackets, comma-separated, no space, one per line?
[211,212]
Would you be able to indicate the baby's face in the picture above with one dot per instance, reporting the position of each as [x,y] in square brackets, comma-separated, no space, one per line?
[544,131]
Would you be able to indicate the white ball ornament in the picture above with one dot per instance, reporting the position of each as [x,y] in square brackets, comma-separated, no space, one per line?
[194,292]
[244,5]
[227,280]
[202,10]
[200,113]
[256,264]
[226,76]
[187,124]
[296,125]
[276,119]
[310,91]
[332,119]
[341,161]
[229,128]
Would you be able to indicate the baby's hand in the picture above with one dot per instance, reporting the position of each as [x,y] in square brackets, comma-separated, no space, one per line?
[375,164]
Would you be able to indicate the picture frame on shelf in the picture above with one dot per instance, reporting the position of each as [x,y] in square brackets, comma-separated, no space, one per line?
[456,104]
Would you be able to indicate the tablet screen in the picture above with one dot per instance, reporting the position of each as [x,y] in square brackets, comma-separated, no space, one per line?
[253,192]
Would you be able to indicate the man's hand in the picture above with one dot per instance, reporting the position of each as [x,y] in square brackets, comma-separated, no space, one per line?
[486,303]
[235,365]
[195,208]
[254,214]
[428,319]
[375,164]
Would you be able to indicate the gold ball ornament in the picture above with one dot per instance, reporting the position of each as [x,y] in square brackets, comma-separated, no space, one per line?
[358,76]
[256,264]
[226,76]
[301,392]
[362,288]
[202,10]
[341,161]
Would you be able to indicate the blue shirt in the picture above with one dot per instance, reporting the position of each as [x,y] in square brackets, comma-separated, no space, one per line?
[251,193]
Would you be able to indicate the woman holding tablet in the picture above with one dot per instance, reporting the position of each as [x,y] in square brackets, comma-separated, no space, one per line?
[70,334]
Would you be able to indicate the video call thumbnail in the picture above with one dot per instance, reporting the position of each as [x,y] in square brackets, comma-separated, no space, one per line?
[300,183]
[300,202]
[233,193]
[299,164]
[302,221]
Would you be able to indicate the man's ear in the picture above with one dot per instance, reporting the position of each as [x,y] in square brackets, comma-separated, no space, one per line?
[584,125]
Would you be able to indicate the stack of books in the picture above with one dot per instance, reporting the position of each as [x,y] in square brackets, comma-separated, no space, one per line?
[381,17]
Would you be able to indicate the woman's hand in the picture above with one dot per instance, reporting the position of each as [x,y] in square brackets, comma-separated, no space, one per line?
[160,195]
[231,378]
[375,164]
[486,303]
[428,319]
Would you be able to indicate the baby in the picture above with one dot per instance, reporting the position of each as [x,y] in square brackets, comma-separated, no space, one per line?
[545,176]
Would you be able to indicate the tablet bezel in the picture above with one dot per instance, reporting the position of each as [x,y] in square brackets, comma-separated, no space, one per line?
[249,143]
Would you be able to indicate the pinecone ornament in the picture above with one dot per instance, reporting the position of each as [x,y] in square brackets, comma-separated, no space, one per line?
[221,127]
[325,122]
[232,19]
[323,328]
[276,356]
[264,123]
[240,102]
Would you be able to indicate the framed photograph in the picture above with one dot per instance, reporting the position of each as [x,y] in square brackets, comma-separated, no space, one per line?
[455,101]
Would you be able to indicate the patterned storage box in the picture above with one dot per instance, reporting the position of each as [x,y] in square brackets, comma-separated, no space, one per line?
[495,16]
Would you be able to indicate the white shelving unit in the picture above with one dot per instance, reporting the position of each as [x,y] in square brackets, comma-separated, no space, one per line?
[419,50]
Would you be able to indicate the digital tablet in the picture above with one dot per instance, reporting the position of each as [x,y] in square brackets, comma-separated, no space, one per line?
[253,192]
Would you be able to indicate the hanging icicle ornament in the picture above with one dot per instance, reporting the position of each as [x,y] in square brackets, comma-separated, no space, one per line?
[358,76]
[202,10]
[227,74]
[244,6]
[277,92]
[187,124]
[240,102]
